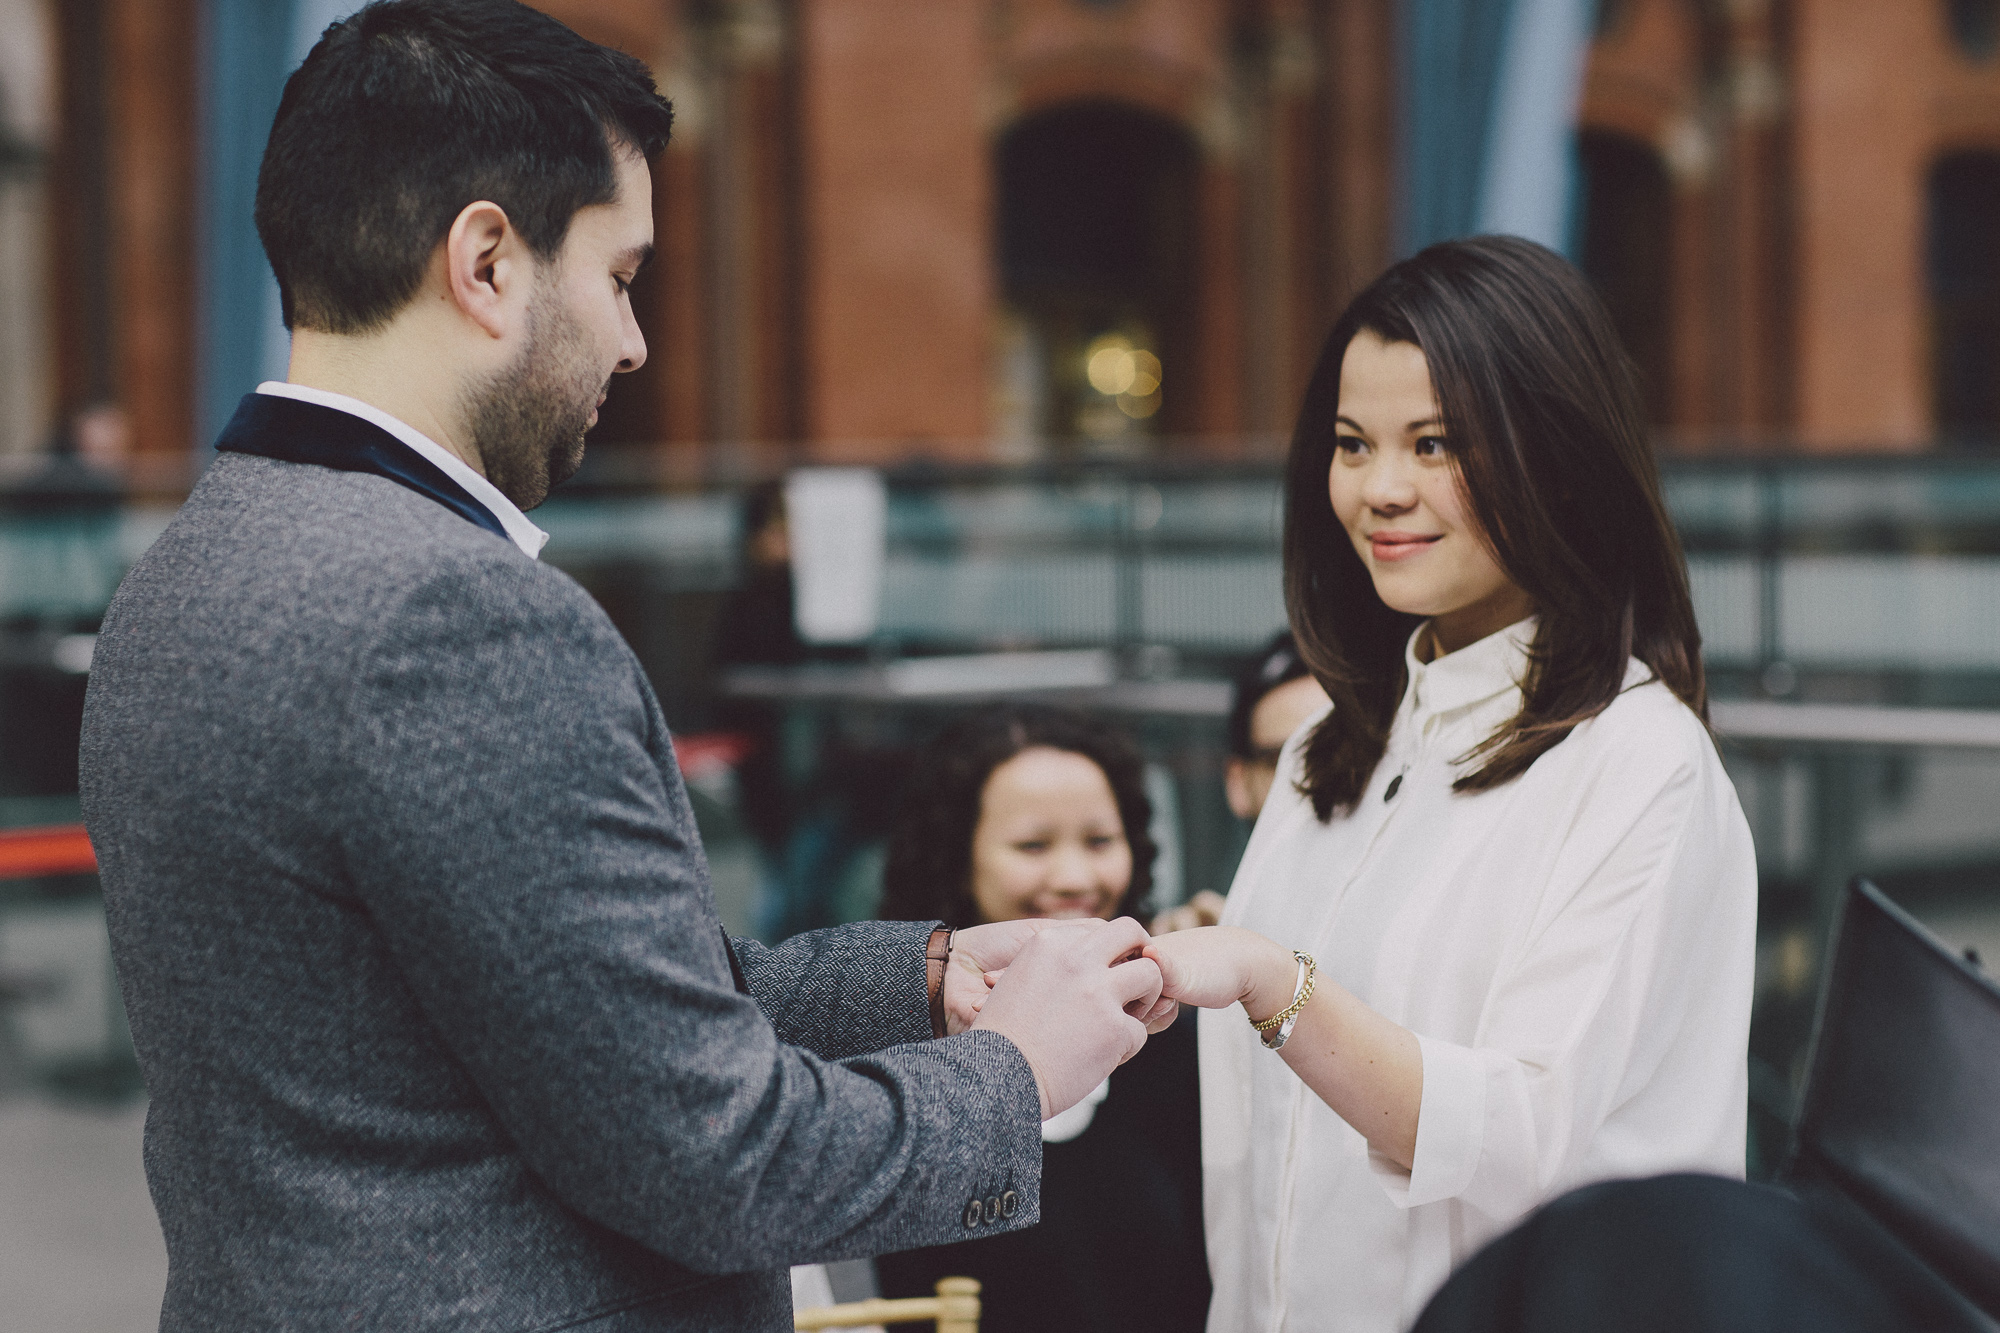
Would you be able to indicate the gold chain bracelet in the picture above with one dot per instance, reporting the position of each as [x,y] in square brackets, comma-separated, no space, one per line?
[1277,1029]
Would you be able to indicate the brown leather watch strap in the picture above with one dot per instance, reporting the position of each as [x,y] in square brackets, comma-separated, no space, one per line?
[937,955]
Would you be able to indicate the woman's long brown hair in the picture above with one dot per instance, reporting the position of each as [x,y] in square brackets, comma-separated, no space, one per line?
[1544,426]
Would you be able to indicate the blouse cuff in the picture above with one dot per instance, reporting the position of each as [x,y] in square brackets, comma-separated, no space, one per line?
[1451,1129]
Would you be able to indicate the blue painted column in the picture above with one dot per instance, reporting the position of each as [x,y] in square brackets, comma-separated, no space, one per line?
[250,47]
[1529,187]
[1489,97]
[1450,64]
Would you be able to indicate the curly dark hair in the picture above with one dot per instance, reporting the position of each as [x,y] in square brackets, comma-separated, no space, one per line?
[929,872]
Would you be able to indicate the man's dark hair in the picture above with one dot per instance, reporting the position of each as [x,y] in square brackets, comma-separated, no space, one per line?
[928,876]
[408,110]
[1277,663]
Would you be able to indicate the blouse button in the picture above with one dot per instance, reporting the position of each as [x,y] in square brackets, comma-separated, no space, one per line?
[1395,785]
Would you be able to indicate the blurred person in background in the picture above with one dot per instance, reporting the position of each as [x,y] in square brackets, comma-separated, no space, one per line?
[436,1014]
[1027,812]
[816,790]
[757,627]
[60,545]
[83,469]
[1494,932]
[1274,696]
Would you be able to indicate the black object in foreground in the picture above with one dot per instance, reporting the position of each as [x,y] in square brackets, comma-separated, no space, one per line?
[1890,1214]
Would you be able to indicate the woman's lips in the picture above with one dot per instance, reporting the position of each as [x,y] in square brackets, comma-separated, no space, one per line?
[1393,546]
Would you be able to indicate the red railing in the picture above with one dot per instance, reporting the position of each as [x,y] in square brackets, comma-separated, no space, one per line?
[58,849]
[64,849]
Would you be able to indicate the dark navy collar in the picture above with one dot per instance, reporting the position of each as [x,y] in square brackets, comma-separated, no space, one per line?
[299,432]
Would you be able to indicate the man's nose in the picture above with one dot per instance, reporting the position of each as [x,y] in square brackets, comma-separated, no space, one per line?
[631,344]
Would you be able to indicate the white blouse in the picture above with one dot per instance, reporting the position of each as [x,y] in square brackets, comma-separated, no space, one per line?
[1573,949]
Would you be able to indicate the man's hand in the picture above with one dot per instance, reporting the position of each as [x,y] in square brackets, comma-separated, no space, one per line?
[962,1004]
[1069,1000]
[975,951]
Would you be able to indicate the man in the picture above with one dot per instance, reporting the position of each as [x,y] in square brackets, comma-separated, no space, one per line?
[415,932]
[1274,695]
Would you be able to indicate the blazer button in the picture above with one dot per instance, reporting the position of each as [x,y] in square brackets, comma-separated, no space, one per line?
[992,1208]
[1010,1203]
[974,1214]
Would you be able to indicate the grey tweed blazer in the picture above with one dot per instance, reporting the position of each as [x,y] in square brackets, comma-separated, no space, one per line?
[424,971]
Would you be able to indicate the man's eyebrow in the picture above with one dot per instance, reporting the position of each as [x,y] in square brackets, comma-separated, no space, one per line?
[635,258]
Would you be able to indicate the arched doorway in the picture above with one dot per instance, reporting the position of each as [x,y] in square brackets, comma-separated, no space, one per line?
[1963,272]
[1627,251]
[1098,269]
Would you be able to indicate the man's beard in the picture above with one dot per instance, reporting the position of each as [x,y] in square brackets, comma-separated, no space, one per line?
[528,421]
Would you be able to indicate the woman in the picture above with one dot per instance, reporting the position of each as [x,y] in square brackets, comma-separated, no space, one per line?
[1509,849]
[1024,812]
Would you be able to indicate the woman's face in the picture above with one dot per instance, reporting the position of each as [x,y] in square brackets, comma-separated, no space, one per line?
[1395,489]
[1049,840]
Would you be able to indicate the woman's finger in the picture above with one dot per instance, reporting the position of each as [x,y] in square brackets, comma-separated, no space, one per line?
[1164,960]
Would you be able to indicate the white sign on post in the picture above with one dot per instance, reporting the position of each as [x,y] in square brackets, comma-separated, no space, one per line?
[839,522]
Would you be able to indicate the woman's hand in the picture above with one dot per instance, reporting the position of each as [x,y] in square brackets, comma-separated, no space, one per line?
[1364,1066]
[1214,967]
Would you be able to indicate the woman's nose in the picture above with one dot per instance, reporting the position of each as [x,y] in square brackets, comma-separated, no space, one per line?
[1388,487]
[1070,872]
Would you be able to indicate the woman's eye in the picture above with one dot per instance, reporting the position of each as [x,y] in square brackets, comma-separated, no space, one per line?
[1349,444]
[1431,446]
[1099,842]
[1032,847]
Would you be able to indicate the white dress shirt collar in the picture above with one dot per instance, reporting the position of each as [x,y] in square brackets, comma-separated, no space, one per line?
[1474,674]
[519,530]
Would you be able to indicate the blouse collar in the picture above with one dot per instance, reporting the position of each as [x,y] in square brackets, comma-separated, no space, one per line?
[1475,674]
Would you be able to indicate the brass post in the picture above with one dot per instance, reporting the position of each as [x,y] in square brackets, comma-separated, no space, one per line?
[958,1305]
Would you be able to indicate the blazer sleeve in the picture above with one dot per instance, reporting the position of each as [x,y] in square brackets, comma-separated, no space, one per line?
[513,826]
[850,990]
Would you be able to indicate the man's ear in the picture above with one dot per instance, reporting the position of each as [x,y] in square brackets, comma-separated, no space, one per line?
[1236,787]
[485,262]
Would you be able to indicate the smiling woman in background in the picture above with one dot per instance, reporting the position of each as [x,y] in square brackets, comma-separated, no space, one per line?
[1024,811]
[1520,889]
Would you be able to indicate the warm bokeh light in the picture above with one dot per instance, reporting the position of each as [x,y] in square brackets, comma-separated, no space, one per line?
[1111,365]
[1146,375]
[1127,374]
[1137,406]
